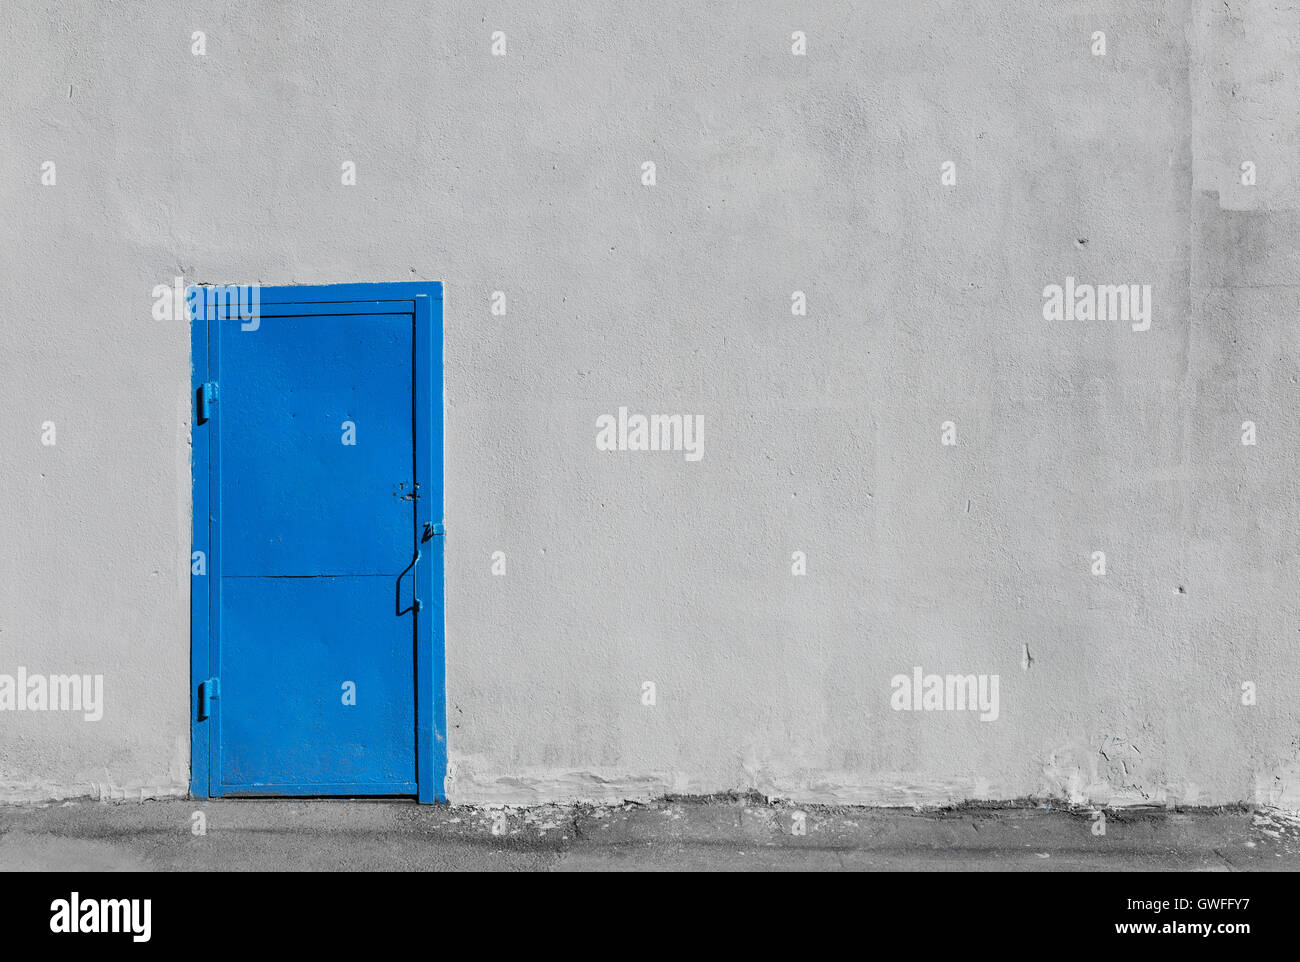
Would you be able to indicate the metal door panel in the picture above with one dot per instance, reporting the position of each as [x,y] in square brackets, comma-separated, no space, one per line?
[317,687]
[295,498]
[317,615]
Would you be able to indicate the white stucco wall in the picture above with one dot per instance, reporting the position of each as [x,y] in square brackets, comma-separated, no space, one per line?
[775,173]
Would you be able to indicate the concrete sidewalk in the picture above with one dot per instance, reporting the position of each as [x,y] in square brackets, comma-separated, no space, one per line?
[725,833]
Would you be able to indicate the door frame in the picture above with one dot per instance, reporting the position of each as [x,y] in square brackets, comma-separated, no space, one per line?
[423,300]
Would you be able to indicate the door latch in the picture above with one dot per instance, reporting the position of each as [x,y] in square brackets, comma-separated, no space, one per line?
[432,528]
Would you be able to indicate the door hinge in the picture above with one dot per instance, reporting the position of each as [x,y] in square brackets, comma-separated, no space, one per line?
[432,528]
[208,690]
[207,398]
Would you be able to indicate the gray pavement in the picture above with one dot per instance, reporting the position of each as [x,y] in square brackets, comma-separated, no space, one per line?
[728,833]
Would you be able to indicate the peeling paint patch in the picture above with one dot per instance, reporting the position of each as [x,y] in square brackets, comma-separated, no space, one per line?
[1279,789]
[473,784]
[14,791]
[479,786]
[1111,771]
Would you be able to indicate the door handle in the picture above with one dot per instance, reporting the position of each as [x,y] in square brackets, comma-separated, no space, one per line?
[415,603]
[430,531]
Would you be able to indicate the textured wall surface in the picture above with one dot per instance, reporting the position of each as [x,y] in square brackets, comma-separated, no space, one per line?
[822,433]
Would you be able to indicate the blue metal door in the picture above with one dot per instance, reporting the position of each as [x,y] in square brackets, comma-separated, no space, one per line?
[317,572]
